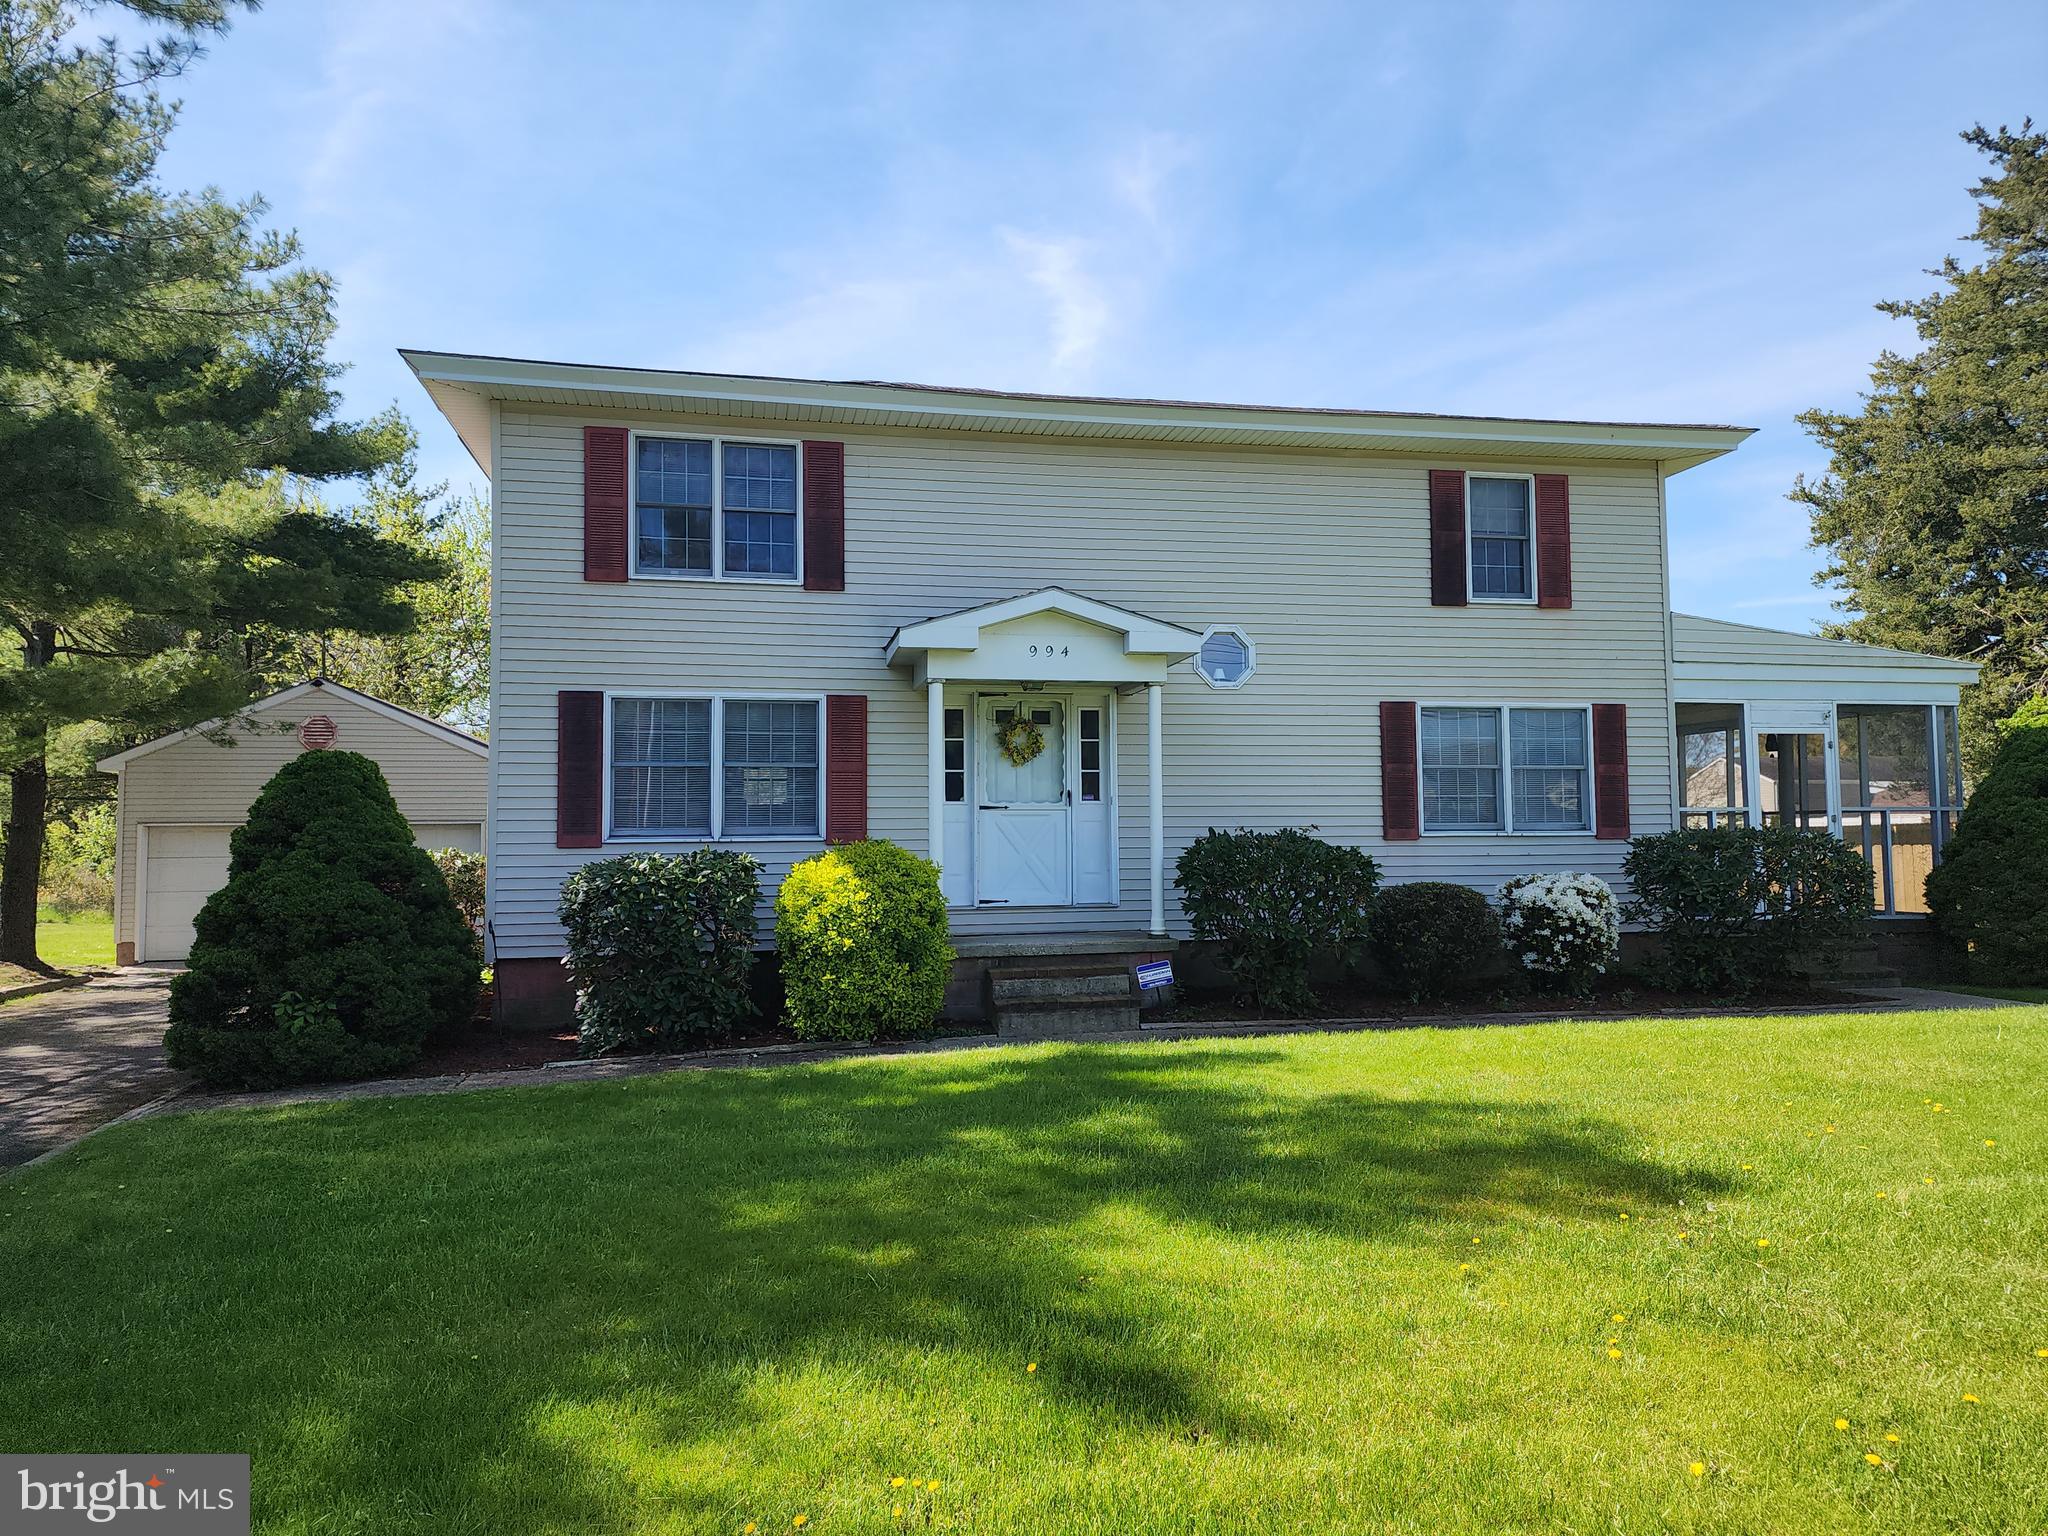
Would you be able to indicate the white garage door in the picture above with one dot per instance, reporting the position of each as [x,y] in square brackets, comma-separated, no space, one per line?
[466,835]
[185,865]
[182,867]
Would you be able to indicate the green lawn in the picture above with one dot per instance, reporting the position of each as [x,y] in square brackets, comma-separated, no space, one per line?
[1496,1279]
[87,939]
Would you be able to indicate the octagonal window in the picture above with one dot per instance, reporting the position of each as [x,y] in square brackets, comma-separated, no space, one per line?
[1226,659]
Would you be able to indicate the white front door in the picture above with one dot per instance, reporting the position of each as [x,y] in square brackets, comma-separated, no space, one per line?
[1023,831]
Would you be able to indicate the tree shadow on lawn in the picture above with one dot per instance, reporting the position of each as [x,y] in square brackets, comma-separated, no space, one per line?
[532,1298]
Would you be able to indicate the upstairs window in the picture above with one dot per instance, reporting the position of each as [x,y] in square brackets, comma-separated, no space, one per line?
[1498,535]
[709,508]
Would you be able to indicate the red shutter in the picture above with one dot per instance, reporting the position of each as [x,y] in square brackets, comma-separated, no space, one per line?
[825,518]
[1400,797]
[1610,770]
[1447,538]
[1553,542]
[579,769]
[604,504]
[846,766]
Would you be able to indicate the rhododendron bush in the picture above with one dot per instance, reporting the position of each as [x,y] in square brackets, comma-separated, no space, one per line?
[1563,926]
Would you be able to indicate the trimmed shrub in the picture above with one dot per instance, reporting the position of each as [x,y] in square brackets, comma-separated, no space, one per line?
[1275,901]
[660,948]
[1988,895]
[1432,938]
[464,872]
[1743,907]
[332,951]
[862,935]
[1564,927]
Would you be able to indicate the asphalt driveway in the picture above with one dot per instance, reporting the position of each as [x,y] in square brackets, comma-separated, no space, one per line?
[72,1060]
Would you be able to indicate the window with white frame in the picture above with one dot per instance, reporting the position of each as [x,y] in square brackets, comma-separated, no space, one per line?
[1496,768]
[1498,535]
[707,507]
[715,766]
[1226,658]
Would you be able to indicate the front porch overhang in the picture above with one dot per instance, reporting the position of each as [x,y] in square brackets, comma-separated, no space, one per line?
[1048,636]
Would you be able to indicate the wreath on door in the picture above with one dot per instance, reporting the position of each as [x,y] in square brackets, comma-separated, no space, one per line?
[1019,740]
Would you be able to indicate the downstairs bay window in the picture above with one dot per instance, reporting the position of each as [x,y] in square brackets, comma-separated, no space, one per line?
[714,766]
[1500,768]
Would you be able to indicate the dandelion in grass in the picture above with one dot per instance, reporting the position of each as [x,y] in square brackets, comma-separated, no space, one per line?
[898,1482]
[1990,1141]
[1621,1317]
[1698,1469]
[1463,1268]
[1745,1167]
[932,1486]
[1884,1194]
[1031,1369]
[749,1528]
[1763,1242]
[1614,1354]
[1927,1181]
[1841,1423]
[1892,1439]
[800,1520]
[897,1511]
[1873,1458]
[2041,1354]
[1971,1397]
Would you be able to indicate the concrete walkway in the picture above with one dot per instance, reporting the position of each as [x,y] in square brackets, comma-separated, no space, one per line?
[1894,1000]
[71,1061]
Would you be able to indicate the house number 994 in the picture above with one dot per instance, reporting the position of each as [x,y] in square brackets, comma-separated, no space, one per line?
[1049,649]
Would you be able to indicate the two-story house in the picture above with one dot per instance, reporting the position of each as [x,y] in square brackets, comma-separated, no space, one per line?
[1049,641]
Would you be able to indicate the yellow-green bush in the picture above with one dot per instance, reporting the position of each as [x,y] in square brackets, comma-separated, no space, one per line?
[862,937]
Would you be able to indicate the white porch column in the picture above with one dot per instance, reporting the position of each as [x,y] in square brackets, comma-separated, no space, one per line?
[935,769]
[1155,773]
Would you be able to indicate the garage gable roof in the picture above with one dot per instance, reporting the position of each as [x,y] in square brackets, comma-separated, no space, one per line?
[420,723]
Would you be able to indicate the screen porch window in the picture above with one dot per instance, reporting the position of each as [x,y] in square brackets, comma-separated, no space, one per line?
[1499,533]
[1901,786]
[706,507]
[715,767]
[1714,787]
[1489,768]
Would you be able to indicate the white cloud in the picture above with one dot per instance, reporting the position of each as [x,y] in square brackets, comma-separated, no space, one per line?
[1080,312]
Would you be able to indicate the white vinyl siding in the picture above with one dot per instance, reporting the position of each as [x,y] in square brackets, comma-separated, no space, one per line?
[1335,589]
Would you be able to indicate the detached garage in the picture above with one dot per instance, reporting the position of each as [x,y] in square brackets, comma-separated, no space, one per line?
[182,795]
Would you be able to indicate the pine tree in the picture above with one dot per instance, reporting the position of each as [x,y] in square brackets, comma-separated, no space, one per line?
[1934,510]
[164,398]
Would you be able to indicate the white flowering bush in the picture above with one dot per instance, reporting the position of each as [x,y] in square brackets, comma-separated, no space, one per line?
[1564,926]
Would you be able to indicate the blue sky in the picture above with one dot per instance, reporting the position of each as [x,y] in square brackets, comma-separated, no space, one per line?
[1630,212]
